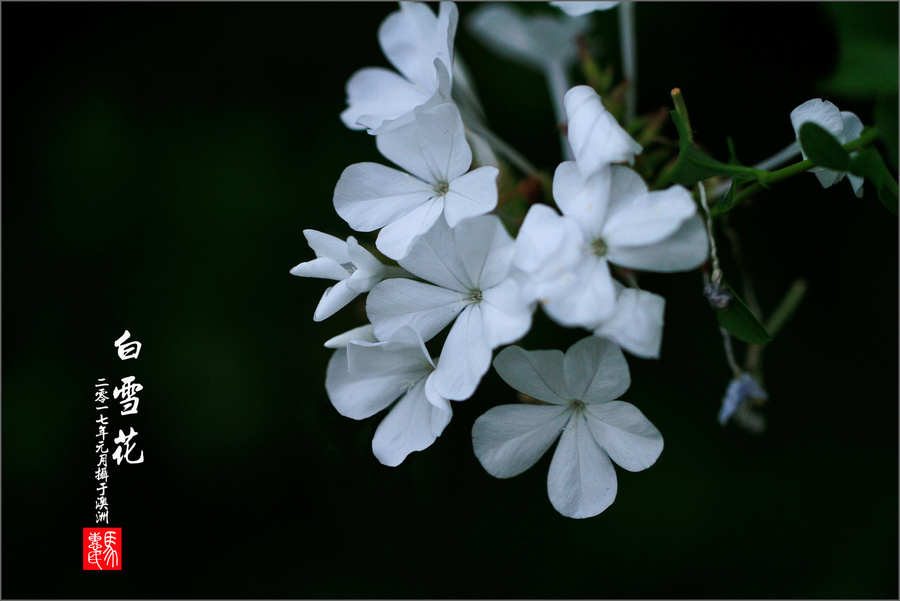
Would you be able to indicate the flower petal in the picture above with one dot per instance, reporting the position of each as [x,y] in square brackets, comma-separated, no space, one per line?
[648,218]
[821,112]
[376,95]
[395,303]
[369,196]
[625,434]
[412,37]
[582,481]
[321,267]
[362,334]
[471,195]
[485,250]
[583,199]
[432,147]
[434,257]
[465,357]
[595,370]
[359,397]
[583,296]
[686,249]
[325,245]
[595,136]
[413,424]
[333,300]
[539,374]
[509,439]
[397,237]
[637,323]
[507,315]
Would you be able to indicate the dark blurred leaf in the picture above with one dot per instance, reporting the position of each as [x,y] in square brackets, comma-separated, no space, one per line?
[822,148]
[868,164]
[886,109]
[740,321]
[867,59]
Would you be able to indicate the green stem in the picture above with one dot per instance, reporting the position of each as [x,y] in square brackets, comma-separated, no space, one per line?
[767,178]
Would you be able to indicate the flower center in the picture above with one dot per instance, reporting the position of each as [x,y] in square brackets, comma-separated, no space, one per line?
[442,188]
[576,404]
[476,296]
[599,247]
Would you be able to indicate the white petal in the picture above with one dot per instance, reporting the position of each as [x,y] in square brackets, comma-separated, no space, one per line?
[362,333]
[465,357]
[857,183]
[595,136]
[582,481]
[509,439]
[375,95]
[828,177]
[413,37]
[583,199]
[363,259]
[369,196]
[485,250]
[648,218]
[325,245]
[686,249]
[321,267]
[539,374]
[395,303]
[507,315]
[584,296]
[625,434]
[434,257]
[380,359]
[821,112]
[471,195]
[595,370]
[432,147]
[582,7]
[853,126]
[359,397]
[397,237]
[540,235]
[637,323]
[534,40]
[412,425]
[335,298]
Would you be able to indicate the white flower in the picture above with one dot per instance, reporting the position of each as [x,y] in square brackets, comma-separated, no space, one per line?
[355,268]
[539,41]
[579,389]
[636,322]
[580,7]
[843,125]
[595,136]
[365,377]
[469,267]
[414,40]
[433,149]
[610,217]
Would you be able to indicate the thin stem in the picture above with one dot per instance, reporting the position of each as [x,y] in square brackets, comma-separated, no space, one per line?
[519,161]
[713,254]
[558,82]
[628,39]
[773,162]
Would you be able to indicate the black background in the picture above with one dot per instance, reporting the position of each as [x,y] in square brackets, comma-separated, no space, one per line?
[160,161]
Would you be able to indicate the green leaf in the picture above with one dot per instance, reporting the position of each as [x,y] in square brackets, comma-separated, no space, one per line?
[740,321]
[822,148]
[727,201]
[695,165]
[868,164]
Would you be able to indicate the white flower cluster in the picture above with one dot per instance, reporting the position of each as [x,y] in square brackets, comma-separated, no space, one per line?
[460,268]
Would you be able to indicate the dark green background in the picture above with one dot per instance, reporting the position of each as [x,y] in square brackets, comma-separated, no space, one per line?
[160,162]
